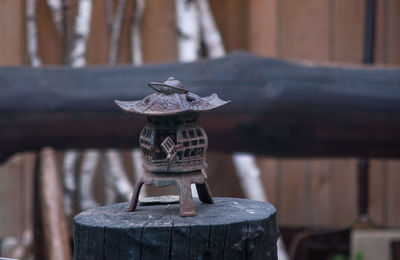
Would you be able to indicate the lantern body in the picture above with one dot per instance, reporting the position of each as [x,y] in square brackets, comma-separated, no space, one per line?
[188,146]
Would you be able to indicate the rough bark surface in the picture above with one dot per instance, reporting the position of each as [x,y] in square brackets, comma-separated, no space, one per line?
[228,229]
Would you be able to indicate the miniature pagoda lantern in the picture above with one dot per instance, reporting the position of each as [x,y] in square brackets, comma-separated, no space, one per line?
[173,143]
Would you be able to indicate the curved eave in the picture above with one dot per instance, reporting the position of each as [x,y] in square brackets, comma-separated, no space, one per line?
[130,107]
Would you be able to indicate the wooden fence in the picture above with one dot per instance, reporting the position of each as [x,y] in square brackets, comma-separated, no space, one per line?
[312,192]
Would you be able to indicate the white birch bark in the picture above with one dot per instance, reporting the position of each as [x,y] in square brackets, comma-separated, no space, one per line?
[110,195]
[211,36]
[187,20]
[31,29]
[116,33]
[81,34]
[118,174]
[90,161]
[69,168]
[56,8]
[136,33]
[251,183]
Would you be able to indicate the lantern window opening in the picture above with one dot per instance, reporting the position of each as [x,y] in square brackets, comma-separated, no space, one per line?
[191,133]
[186,153]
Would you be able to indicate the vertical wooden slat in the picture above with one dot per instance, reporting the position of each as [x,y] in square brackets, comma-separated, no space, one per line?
[320,189]
[125,51]
[231,19]
[344,193]
[305,29]
[11,32]
[394,32]
[10,197]
[50,42]
[381,32]
[262,22]
[377,191]
[51,203]
[348,30]
[221,176]
[99,39]
[269,175]
[159,32]
[393,193]
[293,203]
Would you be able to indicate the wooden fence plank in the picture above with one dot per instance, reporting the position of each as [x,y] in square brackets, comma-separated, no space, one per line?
[55,229]
[319,191]
[99,38]
[11,32]
[348,30]
[377,191]
[262,22]
[344,197]
[159,32]
[269,168]
[10,197]
[49,41]
[231,19]
[393,193]
[293,203]
[393,32]
[304,29]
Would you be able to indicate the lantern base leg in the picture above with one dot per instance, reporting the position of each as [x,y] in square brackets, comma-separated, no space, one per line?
[135,195]
[182,181]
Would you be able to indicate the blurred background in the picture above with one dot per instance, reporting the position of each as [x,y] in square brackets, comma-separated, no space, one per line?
[308,193]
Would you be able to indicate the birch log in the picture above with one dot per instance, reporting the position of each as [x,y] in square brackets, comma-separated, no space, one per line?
[66,6]
[210,34]
[136,33]
[116,33]
[188,30]
[69,168]
[110,195]
[31,29]
[81,34]
[56,8]
[90,162]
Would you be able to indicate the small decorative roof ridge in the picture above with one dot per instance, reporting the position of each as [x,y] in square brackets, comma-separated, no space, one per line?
[171,98]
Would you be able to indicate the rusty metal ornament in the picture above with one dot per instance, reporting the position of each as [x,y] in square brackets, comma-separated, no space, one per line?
[173,143]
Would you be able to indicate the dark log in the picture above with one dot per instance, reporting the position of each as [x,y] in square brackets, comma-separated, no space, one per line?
[278,108]
[228,229]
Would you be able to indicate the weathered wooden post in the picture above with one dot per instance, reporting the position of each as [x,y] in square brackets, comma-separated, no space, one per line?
[174,145]
[228,229]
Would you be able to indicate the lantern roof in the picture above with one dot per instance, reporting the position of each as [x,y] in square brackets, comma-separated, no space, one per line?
[171,98]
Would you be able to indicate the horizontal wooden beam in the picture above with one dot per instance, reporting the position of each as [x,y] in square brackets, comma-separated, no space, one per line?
[278,108]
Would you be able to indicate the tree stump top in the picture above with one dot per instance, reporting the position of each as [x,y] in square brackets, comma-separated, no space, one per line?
[228,229]
[224,211]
